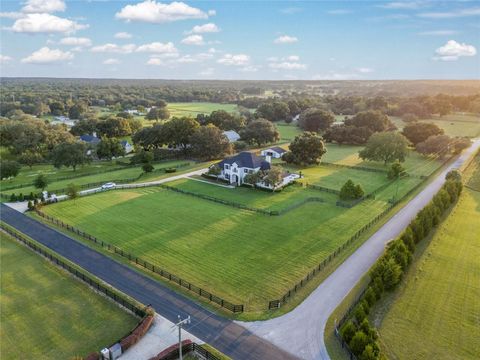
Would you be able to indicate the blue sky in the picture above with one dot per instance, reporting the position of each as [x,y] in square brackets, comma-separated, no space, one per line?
[241,39]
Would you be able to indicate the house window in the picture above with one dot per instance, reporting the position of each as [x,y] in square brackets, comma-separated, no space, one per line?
[234,170]
[227,167]
[245,171]
[227,177]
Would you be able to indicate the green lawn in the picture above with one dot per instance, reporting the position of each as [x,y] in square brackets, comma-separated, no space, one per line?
[46,314]
[453,124]
[242,256]
[435,315]
[121,173]
[195,108]
[288,131]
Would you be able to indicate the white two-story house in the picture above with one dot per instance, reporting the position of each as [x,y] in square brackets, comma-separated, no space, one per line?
[234,169]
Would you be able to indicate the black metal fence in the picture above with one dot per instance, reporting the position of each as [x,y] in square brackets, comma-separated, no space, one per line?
[235,308]
[200,351]
[84,276]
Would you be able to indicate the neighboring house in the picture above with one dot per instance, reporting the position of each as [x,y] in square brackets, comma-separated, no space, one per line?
[90,139]
[126,146]
[231,135]
[286,179]
[275,152]
[235,168]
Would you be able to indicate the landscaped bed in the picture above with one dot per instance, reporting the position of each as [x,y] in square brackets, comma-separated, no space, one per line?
[46,314]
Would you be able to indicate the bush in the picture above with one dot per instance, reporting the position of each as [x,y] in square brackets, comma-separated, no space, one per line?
[137,333]
[13,198]
[358,343]
[240,145]
[365,306]
[368,353]
[350,191]
[347,331]
[30,205]
[360,313]
[370,296]
[392,274]
[21,197]
[170,170]
[147,168]
[378,287]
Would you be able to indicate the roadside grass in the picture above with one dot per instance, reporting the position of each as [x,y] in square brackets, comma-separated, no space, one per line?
[242,256]
[436,312]
[473,173]
[45,313]
[122,173]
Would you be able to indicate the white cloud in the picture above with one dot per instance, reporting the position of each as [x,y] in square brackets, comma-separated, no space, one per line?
[453,50]
[47,56]
[339,12]
[165,56]
[293,58]
[234,60]
[158,48]
[4,59]
[286,65]
[438,32]
[291,10]
[285,39]
[200,57]
[122,35]
[205,28]
[402,5]
[193,40]
[11,15]
[111,61]
[249,68]
[365,70]
[155,61]
[76,41]
[451,14]
[44,6]
[114,48]
[156,12]
[46,23]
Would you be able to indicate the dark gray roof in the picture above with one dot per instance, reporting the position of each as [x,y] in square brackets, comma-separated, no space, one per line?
[246,159]
[90,139]
[278,149]
[124,142]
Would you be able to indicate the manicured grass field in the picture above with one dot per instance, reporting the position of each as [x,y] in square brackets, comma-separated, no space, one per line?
[453,124]
[121,173]
[288,131]
[195,108]
[46,314]
[242,256]
[436,313]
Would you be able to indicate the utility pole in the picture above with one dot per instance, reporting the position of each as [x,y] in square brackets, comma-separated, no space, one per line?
[179,325]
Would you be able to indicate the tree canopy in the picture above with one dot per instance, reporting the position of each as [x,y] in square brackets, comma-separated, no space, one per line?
[307,148]
[385,146]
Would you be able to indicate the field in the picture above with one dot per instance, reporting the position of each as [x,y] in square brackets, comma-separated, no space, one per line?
[94,172]
[243,256]
[436,313]
[46,314]
[195,108]
[453,124]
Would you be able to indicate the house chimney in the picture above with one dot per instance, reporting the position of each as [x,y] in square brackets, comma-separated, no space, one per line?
[268,159]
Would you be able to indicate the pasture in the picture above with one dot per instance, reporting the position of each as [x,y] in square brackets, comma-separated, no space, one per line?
[46,314]
[194,108]
[242,256]
[435,315]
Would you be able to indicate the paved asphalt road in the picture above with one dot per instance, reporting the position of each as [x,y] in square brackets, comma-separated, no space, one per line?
[301,331]
[228,337]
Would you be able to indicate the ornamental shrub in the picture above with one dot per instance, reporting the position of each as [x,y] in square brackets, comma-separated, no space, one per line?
[358,343]
[347,331]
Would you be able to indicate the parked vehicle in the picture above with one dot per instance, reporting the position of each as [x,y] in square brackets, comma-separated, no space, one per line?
[109,185]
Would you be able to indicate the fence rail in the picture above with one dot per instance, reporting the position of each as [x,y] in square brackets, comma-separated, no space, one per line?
[235,308]
[84,276]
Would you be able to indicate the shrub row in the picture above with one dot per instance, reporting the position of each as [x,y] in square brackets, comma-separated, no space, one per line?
[137,333]
[172,352]
[357,334]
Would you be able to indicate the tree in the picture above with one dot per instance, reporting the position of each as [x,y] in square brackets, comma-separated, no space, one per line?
[306,149]
[316,120]
[375,120]
[418,132]
[77,110]
[67,154]
[114,127]
[223,120]
[142,157]
[214,170]
[260,132]
[348,331]
[84,126]
[358,343]
[386,147]
[274,176]
[147,168]
[158,113]
[209,142]
[396,170]
[460,144]
[435,145]
[409,118]
[352,135]
[273,110]
[9,169]
[392,274]
[369,353]
[454,175]
[150,137]
[72,191]
[108,148]
[179,130]
[30,158]
[40,182]
[350,191]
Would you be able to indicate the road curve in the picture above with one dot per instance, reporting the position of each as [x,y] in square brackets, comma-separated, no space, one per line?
[301,331]
[228,337]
